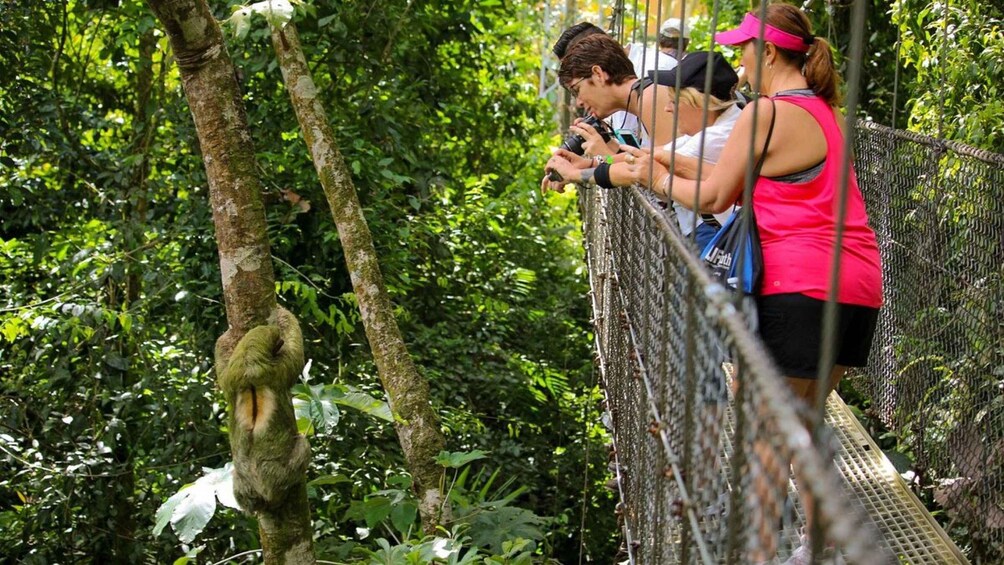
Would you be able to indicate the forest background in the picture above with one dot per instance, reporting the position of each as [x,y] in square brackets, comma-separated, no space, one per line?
[111,293]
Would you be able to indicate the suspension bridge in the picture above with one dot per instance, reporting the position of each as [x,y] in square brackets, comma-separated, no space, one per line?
[693,397]
[705,431]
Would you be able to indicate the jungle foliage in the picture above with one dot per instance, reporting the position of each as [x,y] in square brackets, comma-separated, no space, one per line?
[111,288]
[111,284]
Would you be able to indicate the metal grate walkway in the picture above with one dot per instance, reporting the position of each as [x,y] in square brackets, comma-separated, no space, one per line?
[907,528]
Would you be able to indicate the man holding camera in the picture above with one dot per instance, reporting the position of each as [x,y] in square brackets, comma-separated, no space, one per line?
[643,57]
[601,77]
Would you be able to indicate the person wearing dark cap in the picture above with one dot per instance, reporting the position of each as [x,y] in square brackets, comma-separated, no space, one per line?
[690,145]
[693,145]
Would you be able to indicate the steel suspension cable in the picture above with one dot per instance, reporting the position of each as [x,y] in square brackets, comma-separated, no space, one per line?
[749,181]
[655,108]
[944,73]
[827,356]
[899,45]
[705,113]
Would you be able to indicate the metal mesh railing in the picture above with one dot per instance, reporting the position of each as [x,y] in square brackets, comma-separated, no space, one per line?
[936,377]
[705,430]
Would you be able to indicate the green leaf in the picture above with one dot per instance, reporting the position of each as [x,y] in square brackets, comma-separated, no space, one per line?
[192,553]
[166,510]
[492,528]
[314,406]
[116,361]
[457,459]
[366,404]
[329,480]
[402,515]
[13,328]
[376,510]
[191,508]
[899,460]
[193,511]
[125,320]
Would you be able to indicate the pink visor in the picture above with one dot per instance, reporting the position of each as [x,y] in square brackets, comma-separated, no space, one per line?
[750,29]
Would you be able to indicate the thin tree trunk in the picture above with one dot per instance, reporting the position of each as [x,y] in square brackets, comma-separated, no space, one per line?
[408,392]
[207,75]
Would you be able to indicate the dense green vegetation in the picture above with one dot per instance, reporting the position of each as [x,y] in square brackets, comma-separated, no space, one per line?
[111,288]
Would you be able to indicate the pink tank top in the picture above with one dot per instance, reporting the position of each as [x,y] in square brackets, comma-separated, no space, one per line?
[797,223]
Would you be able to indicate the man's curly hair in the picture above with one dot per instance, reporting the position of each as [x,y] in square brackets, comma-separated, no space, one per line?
[600,50]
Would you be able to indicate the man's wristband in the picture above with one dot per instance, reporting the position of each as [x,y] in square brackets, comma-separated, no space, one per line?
[602,176]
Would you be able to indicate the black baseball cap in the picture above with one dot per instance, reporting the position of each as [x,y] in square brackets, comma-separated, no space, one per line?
[692,70]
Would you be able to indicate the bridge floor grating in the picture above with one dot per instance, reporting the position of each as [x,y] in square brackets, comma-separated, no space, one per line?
[907,527]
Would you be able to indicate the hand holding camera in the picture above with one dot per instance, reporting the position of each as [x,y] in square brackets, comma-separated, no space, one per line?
[588,136]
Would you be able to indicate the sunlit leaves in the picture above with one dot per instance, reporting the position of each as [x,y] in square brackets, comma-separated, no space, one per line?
[960,48]
[276,13]
[315,406]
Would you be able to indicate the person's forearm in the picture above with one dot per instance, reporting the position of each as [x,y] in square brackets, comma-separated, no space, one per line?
[686,166]
[685,192]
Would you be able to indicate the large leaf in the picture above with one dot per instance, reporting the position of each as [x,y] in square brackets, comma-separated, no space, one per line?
[492,527]
[193,511]
[315,408]
[459,458]
[402,515]
[366,404]
[190,509]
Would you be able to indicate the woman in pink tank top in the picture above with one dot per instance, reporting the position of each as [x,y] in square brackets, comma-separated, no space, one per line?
[795,202]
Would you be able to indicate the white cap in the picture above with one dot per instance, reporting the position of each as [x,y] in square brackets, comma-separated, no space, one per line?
[673,27]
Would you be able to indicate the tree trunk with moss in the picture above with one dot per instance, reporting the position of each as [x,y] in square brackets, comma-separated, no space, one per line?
[408,392]
[211,88]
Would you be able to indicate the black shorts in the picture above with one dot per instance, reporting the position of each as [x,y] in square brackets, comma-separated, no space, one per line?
[791,326]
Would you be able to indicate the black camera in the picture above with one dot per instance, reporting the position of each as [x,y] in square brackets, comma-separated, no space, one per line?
[573,141]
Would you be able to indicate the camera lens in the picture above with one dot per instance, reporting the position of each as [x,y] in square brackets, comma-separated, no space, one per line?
[573,141]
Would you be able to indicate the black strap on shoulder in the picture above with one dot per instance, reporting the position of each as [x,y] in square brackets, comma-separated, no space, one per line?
[641,84]
[763,155]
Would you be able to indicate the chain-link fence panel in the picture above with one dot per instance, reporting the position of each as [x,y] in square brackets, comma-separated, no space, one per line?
[936,376]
